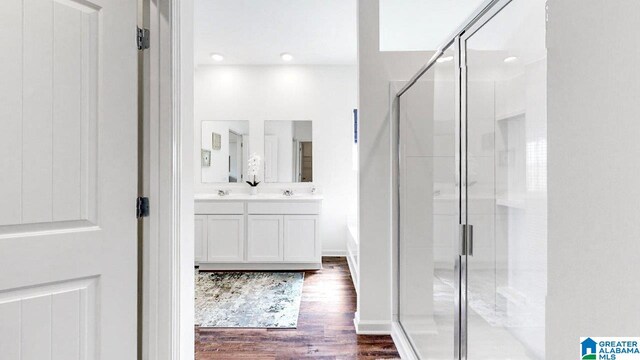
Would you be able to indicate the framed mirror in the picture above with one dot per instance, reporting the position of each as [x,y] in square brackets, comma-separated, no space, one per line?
[288,151]
[225,150]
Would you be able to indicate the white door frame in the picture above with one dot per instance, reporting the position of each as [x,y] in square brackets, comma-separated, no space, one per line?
[168,246]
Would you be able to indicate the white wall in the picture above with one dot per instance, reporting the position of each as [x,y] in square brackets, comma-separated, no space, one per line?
[376,70]
[594,197]
[324,94]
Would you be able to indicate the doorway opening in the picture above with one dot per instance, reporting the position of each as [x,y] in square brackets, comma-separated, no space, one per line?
[274,88]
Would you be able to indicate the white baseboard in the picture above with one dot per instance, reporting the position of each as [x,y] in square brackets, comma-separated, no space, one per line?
[371,327]
[334,253]
[402,343]
[258,266]
[354,273]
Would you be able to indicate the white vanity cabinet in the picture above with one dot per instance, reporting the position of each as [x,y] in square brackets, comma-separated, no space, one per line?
[260,232]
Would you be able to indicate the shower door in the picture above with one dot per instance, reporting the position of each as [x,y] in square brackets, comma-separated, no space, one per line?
[429,211]
[472,192]
[506,181]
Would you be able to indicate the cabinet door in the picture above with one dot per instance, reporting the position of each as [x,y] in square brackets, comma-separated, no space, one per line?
[225,238]
[301,240]
[265,238]
[200,238]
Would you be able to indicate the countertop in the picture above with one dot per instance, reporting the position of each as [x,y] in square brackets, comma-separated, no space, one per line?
[258,197]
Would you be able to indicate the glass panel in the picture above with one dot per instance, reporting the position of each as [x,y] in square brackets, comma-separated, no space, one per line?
[507,184]
[429,211]
[225,151]
[288,151]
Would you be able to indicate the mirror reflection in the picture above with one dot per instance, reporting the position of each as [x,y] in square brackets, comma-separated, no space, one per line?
[288,151]
[225,150]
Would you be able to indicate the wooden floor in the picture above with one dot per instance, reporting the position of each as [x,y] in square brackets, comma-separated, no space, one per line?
[325,327]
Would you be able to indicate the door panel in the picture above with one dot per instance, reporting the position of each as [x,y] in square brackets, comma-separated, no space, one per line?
[56,95]
[301,238]
[506,184]
[225,238]
[11,112]
[265,240]
[200,238]
[58,321]
[429,212]
[68,159]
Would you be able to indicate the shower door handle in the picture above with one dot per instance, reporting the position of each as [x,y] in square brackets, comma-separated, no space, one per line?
[466,240]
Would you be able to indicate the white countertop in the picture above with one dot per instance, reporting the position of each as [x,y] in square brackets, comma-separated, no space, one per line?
[258,197]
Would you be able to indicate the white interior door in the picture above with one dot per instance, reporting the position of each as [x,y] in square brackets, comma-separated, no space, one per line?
[245,156]
[270,158]
[68,165]
[238,162]
[297,159]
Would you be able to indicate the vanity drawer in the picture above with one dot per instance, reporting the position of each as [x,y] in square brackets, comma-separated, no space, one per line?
[283,208]
[219,207]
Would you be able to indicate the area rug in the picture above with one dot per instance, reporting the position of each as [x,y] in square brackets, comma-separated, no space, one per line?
[248,299]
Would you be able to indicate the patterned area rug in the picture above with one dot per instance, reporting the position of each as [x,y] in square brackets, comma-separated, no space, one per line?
[248,299]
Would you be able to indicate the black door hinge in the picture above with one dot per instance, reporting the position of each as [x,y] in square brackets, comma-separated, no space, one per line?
[142,38]
[142,207]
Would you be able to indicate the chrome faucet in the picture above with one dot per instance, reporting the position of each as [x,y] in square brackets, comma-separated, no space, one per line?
[223,192]
[287,192]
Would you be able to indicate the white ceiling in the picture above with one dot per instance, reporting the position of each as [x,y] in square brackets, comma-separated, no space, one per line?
[258,31]
[412,25]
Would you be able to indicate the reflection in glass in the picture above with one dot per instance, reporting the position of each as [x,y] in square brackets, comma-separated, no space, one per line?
[429,211]
[288,151]
[225,150]
[507,184]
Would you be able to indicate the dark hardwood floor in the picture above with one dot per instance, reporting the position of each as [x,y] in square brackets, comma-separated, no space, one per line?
[325,327]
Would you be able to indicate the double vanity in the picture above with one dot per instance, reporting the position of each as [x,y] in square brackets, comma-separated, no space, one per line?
[267,231]
[258,232]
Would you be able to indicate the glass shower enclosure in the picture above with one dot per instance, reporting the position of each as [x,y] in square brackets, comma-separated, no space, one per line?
[429,209]
[472,199]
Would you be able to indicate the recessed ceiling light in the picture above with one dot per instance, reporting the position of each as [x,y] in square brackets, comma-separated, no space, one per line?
[217,57]
[286,56]
[510,59]
[444,59]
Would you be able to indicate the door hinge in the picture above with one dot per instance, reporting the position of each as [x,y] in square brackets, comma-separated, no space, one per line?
[142,207]
[142,38]
[466,240]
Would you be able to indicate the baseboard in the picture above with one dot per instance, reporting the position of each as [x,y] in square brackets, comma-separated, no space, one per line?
[402,343]
[258,266]
[371,327]
[353,273]
[334,253]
